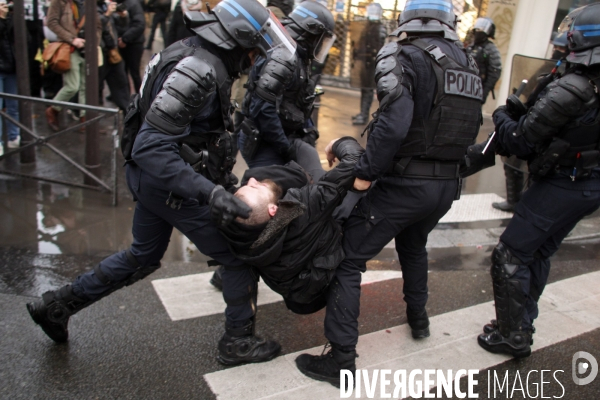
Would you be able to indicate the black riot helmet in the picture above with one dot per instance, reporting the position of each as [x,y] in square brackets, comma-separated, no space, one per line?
[585,29]
[485,25]
[424,16]
[243,23]
[312,24]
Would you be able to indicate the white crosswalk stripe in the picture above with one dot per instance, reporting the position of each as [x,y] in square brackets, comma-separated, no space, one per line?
[567,309]
[192,296]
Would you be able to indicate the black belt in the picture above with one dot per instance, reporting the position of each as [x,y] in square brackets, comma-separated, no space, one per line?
[425,169]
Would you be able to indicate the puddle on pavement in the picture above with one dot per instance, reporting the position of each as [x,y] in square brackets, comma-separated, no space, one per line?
[47,218]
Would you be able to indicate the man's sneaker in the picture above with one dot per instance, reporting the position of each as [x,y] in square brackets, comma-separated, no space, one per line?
[418,322]
[516,345]
[15,143]
[327,367]
[240,346]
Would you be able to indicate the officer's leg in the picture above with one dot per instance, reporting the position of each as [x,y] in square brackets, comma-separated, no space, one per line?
[515,179]
[543,218]
[410,246]
[151,236]
[308,158]
[238,344]
[511,280]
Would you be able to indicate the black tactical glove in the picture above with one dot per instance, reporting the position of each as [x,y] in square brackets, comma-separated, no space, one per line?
[515,107]
[476,160]
[225,207]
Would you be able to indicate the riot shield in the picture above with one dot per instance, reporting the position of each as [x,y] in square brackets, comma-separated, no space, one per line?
[530,68]
[366,38]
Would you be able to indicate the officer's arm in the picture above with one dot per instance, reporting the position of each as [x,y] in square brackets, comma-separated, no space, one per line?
[507,142]
[188,91]
[275,75]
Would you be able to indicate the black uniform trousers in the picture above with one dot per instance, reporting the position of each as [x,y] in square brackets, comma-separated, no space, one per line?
[404,209]
[132,55]
[543,218]
[153,223]
[117,80]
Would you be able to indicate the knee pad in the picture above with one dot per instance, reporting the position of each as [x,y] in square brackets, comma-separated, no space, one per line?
[502,255]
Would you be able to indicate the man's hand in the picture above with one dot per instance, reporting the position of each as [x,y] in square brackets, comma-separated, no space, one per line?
[122,44]
[225,207]
[361,185]
[111,8]
[329,152]
[78,42]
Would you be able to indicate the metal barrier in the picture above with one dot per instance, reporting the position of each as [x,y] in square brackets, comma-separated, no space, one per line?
[43,141]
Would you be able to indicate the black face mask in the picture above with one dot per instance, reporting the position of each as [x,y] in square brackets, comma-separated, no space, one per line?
[479,37]
[557,54]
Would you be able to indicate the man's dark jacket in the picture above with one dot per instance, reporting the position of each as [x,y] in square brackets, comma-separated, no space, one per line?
[298,250]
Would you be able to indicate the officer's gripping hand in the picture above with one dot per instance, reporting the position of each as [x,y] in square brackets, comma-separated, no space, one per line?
[225,207]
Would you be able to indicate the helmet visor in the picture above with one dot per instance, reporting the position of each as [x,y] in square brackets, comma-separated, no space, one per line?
[275,36]
[322,48]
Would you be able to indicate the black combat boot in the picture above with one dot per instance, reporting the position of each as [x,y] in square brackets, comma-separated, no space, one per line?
[240,345]
[217,278]
[327,367]
[517,344]
[418,322]
[53,310]
[514,188]
[366,99]
[493,325]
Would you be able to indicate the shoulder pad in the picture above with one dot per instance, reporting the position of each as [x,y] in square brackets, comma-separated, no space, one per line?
[276,74]
[388,74]
[388,49]
[580,86]
[183,94]
[566,99]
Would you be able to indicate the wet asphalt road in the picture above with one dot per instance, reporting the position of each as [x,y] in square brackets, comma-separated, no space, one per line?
[127,347]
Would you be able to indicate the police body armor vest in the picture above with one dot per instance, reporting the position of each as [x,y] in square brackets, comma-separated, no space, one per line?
[294,106]
[454,121]
[481,59]
[212,152]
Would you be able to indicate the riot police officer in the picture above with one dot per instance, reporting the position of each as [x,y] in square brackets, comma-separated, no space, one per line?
[486,54]
[559,135]
[281,92]
[184,108]
[429,112]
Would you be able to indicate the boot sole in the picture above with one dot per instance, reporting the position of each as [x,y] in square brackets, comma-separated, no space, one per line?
[335,382]
[504,349]
[231,361]
[420,333]
[39,321]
